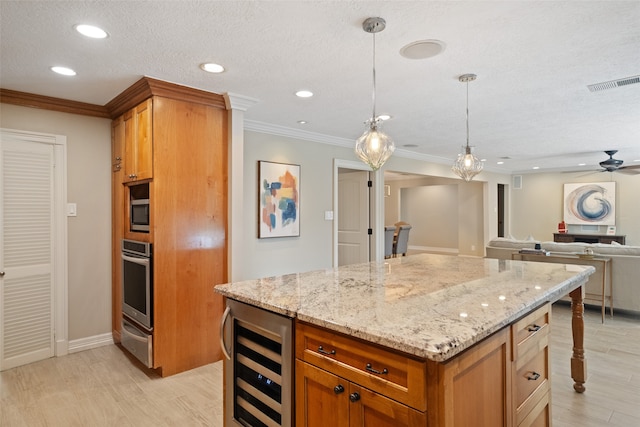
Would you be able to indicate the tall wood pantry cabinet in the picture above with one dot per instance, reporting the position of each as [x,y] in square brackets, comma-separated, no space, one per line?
[174,139]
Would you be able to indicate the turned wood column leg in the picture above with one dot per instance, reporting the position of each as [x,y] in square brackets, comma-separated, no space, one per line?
[578,362]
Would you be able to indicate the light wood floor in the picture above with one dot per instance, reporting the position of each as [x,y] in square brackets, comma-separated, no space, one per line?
[103,387]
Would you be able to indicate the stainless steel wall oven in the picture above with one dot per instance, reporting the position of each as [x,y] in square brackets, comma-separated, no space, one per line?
[137,300]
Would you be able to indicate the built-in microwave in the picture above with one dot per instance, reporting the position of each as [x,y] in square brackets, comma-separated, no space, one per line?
[139,215]
[139,211]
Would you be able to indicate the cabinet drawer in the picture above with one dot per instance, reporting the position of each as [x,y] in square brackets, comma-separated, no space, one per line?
[531,382]
[540,415]
[396,375]
[530,335]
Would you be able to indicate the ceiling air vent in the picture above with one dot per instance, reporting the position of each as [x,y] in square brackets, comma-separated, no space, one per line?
[614,83]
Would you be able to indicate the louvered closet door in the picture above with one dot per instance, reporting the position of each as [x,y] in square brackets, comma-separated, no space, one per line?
[26,287]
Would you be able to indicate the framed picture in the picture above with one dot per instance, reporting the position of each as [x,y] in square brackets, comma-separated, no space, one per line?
[590,203]
[279,204]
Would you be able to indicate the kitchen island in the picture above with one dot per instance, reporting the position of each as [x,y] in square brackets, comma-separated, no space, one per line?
[423,340]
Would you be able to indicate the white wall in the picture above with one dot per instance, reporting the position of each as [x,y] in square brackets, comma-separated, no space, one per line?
[477,215]
[432,211]
[537,208]
[89,234]
[314,248]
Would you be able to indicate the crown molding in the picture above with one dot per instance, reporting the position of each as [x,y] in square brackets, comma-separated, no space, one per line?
[278,130]
[234,101]
[147,87]
[32,100]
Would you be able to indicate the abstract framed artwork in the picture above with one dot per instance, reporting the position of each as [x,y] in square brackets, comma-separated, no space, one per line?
[590,203]
[279,200]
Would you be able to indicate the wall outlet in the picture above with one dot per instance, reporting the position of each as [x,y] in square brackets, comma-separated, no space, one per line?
[72,209]
[473,247]
[328,215]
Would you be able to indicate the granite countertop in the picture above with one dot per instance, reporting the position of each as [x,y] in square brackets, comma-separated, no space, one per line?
[431,306]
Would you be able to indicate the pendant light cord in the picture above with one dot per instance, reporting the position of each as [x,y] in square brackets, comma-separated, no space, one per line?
[467,113]
[373,96]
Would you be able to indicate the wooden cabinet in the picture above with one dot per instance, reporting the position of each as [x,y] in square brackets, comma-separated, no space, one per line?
[117,220]
[501,381]
[588,238]
[531,371]
[138,125]
[181,135]
[341,381]
[474,388]
[351,404]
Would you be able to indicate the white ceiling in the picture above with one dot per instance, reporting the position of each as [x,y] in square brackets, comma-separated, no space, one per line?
[534,60]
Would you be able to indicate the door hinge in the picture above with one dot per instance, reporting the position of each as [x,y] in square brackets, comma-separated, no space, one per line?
[369,231]
[369,183]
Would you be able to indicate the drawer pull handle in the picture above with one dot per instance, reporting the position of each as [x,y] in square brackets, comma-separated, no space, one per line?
[338,389]
[375,371]
[323,351]
[354,397]
[533,328]
[533,377]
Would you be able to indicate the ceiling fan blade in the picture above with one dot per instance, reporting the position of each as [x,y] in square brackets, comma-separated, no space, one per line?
[629,170]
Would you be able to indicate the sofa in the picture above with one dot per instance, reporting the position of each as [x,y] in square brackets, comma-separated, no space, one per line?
[625,264]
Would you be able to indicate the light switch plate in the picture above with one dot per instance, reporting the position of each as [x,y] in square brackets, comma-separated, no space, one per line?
[72,209]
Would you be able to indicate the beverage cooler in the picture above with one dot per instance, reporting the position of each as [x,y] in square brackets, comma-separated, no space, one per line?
[258,369]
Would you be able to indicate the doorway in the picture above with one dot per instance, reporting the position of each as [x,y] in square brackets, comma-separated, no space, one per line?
[33,260]
[374,208]
[353,216]
[501,205]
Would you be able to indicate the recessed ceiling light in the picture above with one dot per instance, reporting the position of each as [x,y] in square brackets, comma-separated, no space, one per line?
[91,31]
[483,160]
[384,117]
[302,122]
[536,167]
[64,71]
[304,94]
[210,67]
[582,164]
[501,163]
[422,49]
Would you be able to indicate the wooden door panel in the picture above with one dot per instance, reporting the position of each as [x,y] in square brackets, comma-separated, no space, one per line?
[317,402]
[144,140]
[353,217]
[375,410]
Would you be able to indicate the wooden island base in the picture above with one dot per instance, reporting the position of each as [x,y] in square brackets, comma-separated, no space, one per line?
[501,381]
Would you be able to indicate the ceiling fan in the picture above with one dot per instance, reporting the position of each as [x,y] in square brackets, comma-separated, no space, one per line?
[615,165]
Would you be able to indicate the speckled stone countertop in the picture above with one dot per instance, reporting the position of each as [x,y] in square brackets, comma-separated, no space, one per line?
[431,306]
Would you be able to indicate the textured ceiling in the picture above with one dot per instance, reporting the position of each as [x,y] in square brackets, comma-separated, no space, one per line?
[530,102]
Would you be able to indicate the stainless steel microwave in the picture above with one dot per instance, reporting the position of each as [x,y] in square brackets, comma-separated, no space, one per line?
[139,215]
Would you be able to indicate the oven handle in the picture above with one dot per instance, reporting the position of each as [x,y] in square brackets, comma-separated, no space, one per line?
[223,321]
[136,260]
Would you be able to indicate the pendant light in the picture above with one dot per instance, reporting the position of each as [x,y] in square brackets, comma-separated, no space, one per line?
[374,147]
[467,165]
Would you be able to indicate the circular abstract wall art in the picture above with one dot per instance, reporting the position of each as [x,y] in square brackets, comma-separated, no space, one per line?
[590,204]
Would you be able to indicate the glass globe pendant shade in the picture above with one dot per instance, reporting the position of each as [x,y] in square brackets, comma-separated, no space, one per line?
[467,165]
[374,147]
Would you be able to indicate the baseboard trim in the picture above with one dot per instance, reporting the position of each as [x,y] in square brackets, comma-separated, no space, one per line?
[434,249]
[90,342]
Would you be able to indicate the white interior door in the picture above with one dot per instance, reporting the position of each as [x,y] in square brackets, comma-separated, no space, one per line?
[353,217]
[26,252]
